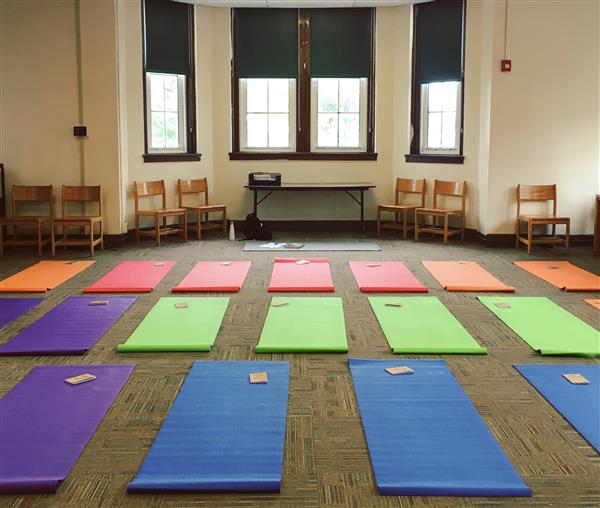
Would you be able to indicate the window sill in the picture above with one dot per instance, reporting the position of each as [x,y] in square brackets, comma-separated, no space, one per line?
[436,159]
[304,156]
[171,157]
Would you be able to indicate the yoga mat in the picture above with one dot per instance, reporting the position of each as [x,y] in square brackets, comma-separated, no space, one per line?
[424,435]
[422,325]
[354,246]
[43,276]
[579,404]
[312,276]
[47,422]
[168,328]
[222,433]
[545,326]
[305,324]
[594,302]
[385,276]
[70,328]
[12,308]
[464,276]
[215,276]
[132,277]
[562,274]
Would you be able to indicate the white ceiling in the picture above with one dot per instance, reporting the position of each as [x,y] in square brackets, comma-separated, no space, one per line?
[302,3]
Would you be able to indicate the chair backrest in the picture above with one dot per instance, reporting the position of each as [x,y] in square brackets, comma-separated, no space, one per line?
[148,189]
[409,186]
[197,186]
[81,194]
[448,188]
[32,194]
[536,193]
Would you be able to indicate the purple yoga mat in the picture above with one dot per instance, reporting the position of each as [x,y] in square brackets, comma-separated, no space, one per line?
[45,423]
[12,308]
[71,328]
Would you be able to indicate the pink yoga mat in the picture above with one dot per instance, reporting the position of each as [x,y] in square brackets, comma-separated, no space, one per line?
[312,276]
[214,276]
[132,277]
[385,276]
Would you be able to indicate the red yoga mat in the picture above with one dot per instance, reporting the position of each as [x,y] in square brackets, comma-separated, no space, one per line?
[214,276]
[385,276]
[132,277]
[288,275]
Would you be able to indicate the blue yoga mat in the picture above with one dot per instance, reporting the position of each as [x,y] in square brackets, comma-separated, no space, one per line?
[12,308]
[222,433]
[579,404]
[424,435]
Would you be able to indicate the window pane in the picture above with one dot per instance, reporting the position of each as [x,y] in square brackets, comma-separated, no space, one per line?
[256,95]
[434,130]
[327,129]
[279,96]
[171,102]
[327,95]
[256,130]
[349,130]
[171,130]
[449,130]
[350,95]
[442,96]
[158,130]
[279,130]
[157,95]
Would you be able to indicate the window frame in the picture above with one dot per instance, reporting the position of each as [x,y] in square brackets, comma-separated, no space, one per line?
[303,106]
[190,154]
[425,124]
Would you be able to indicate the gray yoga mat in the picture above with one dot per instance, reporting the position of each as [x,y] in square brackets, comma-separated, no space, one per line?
[357,245]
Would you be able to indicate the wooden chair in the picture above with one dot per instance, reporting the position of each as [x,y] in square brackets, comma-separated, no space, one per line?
[403,186]
[540,193]
[443,188]
[200,186]
[82,195]
[157,188]
[23,194]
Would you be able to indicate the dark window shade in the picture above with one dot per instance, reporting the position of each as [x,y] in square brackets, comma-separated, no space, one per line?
[167,38]
[265,43]
[340,43]
[439,41]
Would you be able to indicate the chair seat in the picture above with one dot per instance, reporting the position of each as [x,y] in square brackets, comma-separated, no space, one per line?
[162,211]
[543,218]
[25,219]
[207,208]
[397,207]
[439,211]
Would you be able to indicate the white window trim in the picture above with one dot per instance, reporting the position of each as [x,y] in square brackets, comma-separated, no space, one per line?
[424,149]
[181,106]
[314,106]
[244,122]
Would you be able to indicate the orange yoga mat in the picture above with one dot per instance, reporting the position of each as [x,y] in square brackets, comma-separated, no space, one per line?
[43,276]
[464,276]
[562,274]
[594,302]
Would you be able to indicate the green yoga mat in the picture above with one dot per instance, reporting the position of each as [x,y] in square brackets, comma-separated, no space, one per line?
[168,328]
[545,326]
[304,325]
[422,325]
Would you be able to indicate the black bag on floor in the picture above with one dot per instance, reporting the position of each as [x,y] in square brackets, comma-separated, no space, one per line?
[254,229]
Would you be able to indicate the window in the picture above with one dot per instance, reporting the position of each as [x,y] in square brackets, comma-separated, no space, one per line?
[169,85]
[302,84]
[437,82]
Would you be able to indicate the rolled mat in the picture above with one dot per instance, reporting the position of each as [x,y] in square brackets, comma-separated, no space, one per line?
[288,275]
[178,324]
[215,276]
[47,422]
[562,274]
[43,276]
[132,277]
[594,302]
[424,435]
[222,432]
[385,276]
[464,276]
[545,326]
[309,325]
[12,308]
[422,324]
[71,328]
[578,403]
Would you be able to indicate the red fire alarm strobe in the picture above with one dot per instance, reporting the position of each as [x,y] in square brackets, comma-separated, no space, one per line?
[505,65]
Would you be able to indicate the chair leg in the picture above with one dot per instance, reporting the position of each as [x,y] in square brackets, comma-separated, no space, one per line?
[568,232]
[52,240]
[529,236]
[92,238]
[517,234]
[137,228]
[198,230]
[416,226]
[446,229]
[225,222]
[1,239]
[378,221]
[39,239]
[404,225]
[462,230]
[157,230]
[101,235]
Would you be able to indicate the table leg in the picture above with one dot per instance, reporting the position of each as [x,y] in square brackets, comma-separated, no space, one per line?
[255,201]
